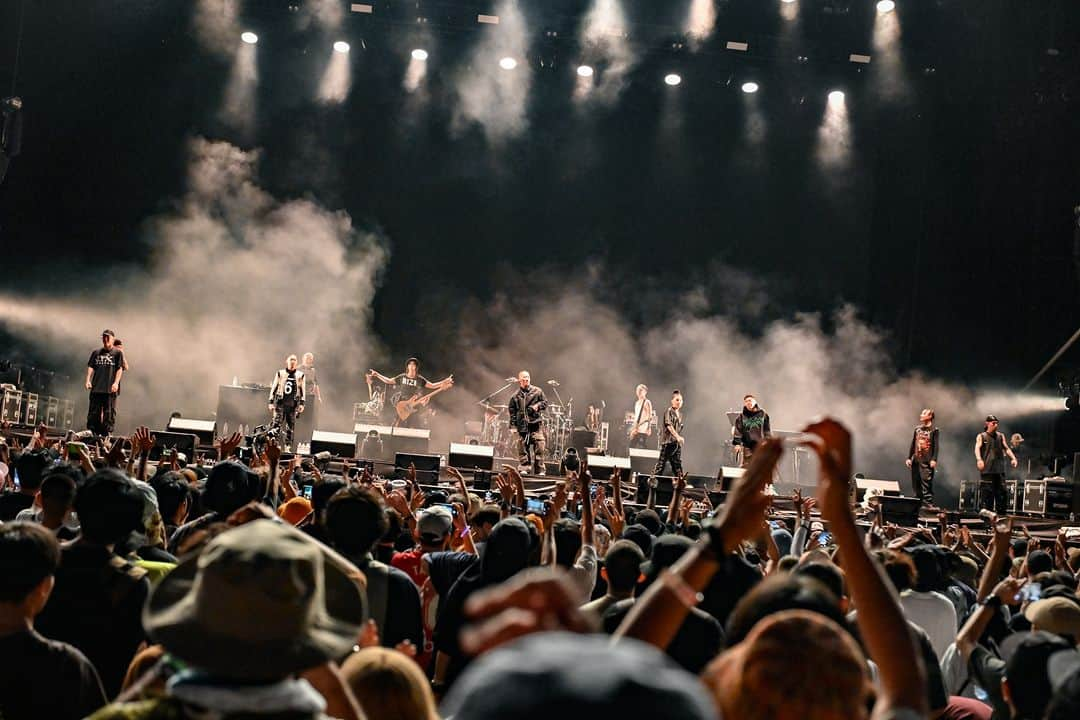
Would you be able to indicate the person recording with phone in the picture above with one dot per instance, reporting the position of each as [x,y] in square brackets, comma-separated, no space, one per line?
[287,398]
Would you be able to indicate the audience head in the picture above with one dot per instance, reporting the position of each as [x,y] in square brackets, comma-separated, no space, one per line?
[507,551]
[483,520]
[575,677]
[320,496]
[640,536]
[1039,561]
[57,495]
[229,487]
[389,684]
[567,534]
[110,508]
[433,528]
[295,510]
[602,538]
[829,575]
[651,520]
[355,520]
[30,467]
[1026,685]
[1056,615]
[174,497]
[764,675]
[622,566]
[776,594]
[261,602]
[29,556]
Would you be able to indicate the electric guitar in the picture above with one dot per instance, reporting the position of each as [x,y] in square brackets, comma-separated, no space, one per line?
[406,408]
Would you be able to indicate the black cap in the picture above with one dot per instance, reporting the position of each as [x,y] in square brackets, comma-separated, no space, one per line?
[108,332]
[1027,657]
[413,360]
[666,551]
[991,418]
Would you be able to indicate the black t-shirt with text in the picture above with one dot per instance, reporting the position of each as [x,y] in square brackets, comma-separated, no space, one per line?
[406,388]
[105,362]
[289,392]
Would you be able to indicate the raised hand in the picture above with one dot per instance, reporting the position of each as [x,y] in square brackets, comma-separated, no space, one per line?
[616,519]
[506,488]
[115,456]
[227,445]
[747,502]
[273,452]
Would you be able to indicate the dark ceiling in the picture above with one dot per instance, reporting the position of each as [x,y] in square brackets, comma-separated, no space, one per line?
[951,225]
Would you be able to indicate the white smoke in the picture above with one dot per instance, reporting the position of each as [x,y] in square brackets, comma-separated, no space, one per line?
[216,25]
[487,95]
[238,280]
[605,43]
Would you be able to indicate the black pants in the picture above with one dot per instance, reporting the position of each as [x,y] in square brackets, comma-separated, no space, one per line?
[669,453]
[922,480]
[101,417]
[992,493]
[285,417]
[640,441]
[531,448]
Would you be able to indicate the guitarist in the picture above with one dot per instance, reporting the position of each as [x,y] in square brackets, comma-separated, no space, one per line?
[644,419]
[526,408]
[410,384]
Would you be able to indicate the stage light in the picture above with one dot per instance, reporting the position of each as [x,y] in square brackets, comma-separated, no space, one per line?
[672,79]
[419,54]
[886,6]
[249,37]
[787,2]
[584,71]
[341,46]
[836,97]
[508,63]
[749,87]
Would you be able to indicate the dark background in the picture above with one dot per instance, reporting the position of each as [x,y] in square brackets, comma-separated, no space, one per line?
[952,228]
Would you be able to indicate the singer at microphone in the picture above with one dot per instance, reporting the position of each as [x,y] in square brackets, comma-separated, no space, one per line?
[526,409]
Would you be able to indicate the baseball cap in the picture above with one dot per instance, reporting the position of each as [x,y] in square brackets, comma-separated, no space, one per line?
[434,523]
[575,677]
[108,332]
[1057,615]
[991,418]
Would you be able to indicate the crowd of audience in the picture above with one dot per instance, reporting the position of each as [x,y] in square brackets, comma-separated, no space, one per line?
[273,588]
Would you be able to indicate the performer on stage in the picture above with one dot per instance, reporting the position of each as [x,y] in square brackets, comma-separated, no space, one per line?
[526,407]
[750,428]
[671,439]
[410,385]
[644,418]
[922,457]
[991,449]
[103,372]
[287,398]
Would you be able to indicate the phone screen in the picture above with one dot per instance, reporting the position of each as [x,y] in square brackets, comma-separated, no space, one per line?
[307,491]
[824,538]
[534,505]
[448,506]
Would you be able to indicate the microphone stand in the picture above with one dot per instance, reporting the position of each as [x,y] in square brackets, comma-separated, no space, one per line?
[504,387]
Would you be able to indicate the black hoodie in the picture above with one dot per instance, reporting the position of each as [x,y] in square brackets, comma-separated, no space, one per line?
[751,427]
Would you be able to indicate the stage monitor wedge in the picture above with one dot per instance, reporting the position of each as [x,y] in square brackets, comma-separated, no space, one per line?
[427,466]
[465,456]
[643,461]
[202,429]
[601,466]
[339,444]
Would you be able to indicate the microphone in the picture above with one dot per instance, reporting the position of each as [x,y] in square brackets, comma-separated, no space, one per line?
[553,383]
[509,379]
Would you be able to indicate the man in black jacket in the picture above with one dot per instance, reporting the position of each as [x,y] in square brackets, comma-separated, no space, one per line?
[751,427]
[922,457]
[526,408]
